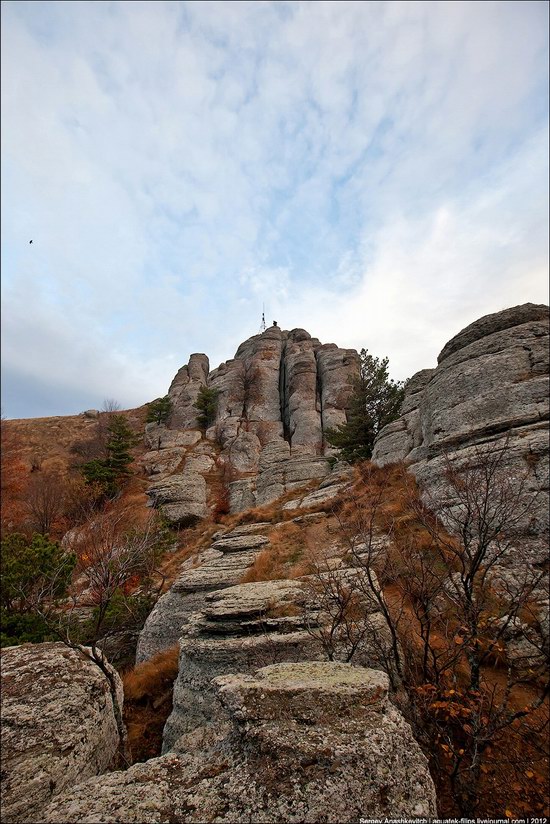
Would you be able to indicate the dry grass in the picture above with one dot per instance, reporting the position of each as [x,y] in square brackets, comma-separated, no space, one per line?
[48,441]
[148,691]
[291,552]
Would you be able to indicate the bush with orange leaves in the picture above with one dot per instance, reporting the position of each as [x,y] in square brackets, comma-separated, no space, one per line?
[442,584]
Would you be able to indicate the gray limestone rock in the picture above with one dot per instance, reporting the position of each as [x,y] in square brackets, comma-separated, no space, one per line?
[195,702]
[58,726]
[242,495]
[301,409]
[163,461]
[182,497]
[158,436]
[211,570]
[310,742]
[492,378]
[184,390]
[282,469]
[490,387]
[336,369]
[316,498]
[243,452]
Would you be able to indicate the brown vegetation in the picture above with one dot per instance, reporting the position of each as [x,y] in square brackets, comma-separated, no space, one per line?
[148,691]
[481,720]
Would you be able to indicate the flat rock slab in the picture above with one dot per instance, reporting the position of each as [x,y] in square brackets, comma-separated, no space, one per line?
[240,542]
[226,570]
[310,743]
[252,599]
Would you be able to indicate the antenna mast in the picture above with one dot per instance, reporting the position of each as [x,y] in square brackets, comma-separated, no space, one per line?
[262,325]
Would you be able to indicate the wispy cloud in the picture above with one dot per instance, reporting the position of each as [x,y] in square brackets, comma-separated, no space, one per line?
[374,172]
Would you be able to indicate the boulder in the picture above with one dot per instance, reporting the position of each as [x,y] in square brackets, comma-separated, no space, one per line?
[309,742]
[58,726]
[182,498]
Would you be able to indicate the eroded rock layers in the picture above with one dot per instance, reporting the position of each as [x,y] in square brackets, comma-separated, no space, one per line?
[276,399]
[306,742]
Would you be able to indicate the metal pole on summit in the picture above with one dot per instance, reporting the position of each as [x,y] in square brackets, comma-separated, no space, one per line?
[262,325]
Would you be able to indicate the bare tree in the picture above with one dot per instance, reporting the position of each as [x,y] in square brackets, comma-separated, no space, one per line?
[110,406]
[111,556]
[453,594]
[44,500]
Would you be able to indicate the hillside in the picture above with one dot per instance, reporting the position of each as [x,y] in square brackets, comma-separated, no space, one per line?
[285,602]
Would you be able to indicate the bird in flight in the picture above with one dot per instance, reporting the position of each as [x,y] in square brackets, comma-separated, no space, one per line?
[30,241]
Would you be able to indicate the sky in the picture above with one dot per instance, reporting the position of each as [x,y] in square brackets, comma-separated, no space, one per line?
[373,172]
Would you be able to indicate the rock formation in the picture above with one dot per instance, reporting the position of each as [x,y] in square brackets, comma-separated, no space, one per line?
[309,742]
[488,391]
[58,726]
[223,564]
[491,378]
[491,383]
[276,398]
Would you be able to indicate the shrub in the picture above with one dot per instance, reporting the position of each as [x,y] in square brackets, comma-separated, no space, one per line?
[375,402]
[207,406]
[159,411]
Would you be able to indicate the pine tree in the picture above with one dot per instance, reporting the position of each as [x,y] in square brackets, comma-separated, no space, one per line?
[375,402]
[120,440]
[159,411]
[207,406]
[111,472]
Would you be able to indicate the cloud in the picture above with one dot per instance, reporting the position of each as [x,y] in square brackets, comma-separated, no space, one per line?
[375,173]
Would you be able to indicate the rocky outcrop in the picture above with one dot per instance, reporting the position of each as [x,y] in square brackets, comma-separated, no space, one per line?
[336,370]
[58,726]
[238,629]
[328,492]
[184,390]
[491,378]
[488,392]
[281,468]
[222,564]
[490,386]
[279,385]
[276,398]
[182,498]
[309,742]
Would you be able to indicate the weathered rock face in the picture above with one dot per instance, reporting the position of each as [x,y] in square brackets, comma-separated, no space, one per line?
[491,383]
[184,390]
[310,742]
[58,726]
[223,564]
[280,385]
[181,497]
[336,370]
[488,392]
[238,629]
[491,378]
